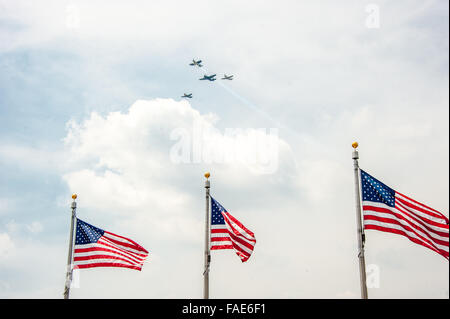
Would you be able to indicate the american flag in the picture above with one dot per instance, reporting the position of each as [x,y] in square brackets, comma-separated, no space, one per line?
[228,233]
[387,210]
[95,247]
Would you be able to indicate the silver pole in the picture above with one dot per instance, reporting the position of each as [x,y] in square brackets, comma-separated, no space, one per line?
[360,230]
[207,238]
[70,256]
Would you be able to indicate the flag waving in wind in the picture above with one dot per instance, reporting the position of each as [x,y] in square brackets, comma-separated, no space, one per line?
[390,211]
[95,247]
[228,233]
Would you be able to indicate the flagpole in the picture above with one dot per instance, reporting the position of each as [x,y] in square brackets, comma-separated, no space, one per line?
[360,230]
[207,238]
[70,256]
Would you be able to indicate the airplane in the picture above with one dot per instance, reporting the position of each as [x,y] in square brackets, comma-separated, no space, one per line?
[225,77]
[187,95]
[208,77]
[196,63]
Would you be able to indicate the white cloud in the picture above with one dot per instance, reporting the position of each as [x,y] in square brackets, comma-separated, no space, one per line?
[124,161]
[31,158]
[12,226]
[35,227]
[15,228]
[22,258]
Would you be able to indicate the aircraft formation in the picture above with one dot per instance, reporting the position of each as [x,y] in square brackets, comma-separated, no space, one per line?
[206,77]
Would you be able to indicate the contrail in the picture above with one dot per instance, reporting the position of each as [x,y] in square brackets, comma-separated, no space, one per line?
[250,104]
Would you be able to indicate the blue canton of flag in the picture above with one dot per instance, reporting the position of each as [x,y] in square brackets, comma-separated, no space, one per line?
[375,191]
[86,233]
[216,213]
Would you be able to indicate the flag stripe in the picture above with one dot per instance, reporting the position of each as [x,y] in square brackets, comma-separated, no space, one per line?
[398,224]
[107,264]
[100,259]
[401,215]
[109,253]
[125,240]
[97,252]
[423,207]
[438,222]
[123,245]
[88,250]
[240,241]
[114,257]
[220,239]
[109,243]
[241,251]
[219,230]
[217,247]
[129,254]
[237,228]
[429,226]
[389,228]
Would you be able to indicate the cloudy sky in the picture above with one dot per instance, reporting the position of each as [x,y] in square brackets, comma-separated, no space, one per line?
[90,103]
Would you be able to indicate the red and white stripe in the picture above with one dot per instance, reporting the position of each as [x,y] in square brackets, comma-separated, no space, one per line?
[233,235]
[110,250]
[421,224]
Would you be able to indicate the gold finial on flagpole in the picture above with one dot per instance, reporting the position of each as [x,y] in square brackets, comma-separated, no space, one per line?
[355,145]
[207,175]
[74,196]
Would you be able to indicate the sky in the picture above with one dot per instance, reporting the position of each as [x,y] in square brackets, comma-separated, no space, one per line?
[90,103]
